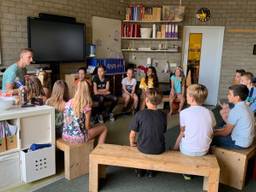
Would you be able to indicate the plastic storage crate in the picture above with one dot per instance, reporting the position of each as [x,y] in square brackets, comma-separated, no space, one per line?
[37,164]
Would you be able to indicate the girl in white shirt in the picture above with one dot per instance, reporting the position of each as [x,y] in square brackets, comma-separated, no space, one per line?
[128,87]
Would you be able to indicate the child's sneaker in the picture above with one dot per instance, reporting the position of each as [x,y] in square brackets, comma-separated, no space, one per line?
[151,174]
[139,172]
[187,177]
[111,117]
[100,119]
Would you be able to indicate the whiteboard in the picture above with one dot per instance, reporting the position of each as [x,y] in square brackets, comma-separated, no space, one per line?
[106,35]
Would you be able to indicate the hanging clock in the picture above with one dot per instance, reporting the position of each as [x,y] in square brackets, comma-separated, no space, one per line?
[203,14]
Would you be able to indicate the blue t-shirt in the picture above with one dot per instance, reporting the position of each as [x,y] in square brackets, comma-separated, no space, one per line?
[243,120]
[252,99]
[11,74]
[177,84]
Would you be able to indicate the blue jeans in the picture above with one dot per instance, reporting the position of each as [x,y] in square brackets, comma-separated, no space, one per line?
[226,142]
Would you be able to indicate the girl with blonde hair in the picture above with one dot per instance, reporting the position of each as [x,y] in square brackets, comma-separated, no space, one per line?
[58,99]
[77,115]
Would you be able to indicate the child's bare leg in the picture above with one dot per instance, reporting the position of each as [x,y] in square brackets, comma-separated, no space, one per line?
[99,130]
[171,99]
[182,101]
[126,99]
[142,101]
[135,101]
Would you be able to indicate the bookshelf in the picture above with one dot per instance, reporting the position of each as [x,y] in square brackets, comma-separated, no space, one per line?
[156,39]
[151,51]
[161,43]
[160,21]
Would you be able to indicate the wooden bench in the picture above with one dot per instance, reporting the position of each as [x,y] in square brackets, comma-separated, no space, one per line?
[171,161]
[76,158]
[233,165]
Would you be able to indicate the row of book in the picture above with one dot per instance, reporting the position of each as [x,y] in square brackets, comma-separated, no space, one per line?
[141,13]
[170,31]
[130,30]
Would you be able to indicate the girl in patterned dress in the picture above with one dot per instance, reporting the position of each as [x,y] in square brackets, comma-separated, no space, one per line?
[77,114]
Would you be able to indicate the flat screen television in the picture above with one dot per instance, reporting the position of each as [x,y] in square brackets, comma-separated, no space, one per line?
[56,41]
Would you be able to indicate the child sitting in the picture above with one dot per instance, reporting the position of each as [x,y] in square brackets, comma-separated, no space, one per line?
[35,90]
[82,76]
[129,86]
[237,78]
[58,99]
[150,125]
[77,114]
[196,123]
[177,88]
[44,78]
[239,132]
[247,80]
[102,93]
[150,81]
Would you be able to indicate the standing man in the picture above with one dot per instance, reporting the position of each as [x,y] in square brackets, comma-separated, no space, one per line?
[17,71]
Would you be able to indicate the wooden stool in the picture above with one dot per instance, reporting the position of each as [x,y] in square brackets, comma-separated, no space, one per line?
[76,158]
[233,165]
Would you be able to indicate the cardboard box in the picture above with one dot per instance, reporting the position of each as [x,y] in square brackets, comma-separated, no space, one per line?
[11,142]
[156,13]
[2,144]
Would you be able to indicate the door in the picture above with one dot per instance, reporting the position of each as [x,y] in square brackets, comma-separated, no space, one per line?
[202,54]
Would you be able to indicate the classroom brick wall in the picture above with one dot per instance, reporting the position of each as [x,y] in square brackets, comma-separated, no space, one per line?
[233,14]
[13,21]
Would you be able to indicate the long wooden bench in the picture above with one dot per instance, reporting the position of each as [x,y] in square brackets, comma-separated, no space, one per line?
[233,165]
[171,161]
[76,158]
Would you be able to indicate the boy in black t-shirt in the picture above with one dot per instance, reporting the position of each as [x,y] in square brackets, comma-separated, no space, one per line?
[102,94]
[150,125]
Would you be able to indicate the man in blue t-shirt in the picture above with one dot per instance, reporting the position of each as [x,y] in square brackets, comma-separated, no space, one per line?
[16,71]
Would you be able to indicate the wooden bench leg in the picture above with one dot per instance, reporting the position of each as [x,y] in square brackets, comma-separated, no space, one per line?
[211,183]
[93,176]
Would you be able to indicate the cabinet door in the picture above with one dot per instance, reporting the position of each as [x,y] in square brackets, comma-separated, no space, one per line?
[10,170]
[35,129]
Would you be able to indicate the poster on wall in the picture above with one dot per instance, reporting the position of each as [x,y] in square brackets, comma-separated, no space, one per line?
[106,35]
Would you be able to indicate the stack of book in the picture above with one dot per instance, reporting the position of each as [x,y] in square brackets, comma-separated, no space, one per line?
[169,31]
[130,30]
[140,13]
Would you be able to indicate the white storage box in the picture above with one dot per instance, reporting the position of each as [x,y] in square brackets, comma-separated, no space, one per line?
[9,170]
[37,164]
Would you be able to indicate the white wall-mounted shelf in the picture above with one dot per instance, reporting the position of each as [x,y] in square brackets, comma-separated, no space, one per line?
[161,21]
[157,39]
[158,51]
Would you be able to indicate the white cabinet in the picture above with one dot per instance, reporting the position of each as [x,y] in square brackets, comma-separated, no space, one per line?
[34,125]
[9,170]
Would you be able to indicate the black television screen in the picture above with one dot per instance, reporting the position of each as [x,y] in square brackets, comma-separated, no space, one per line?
[55,41]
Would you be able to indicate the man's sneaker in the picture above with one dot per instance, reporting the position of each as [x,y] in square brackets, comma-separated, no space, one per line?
[100,119]
[111,117]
